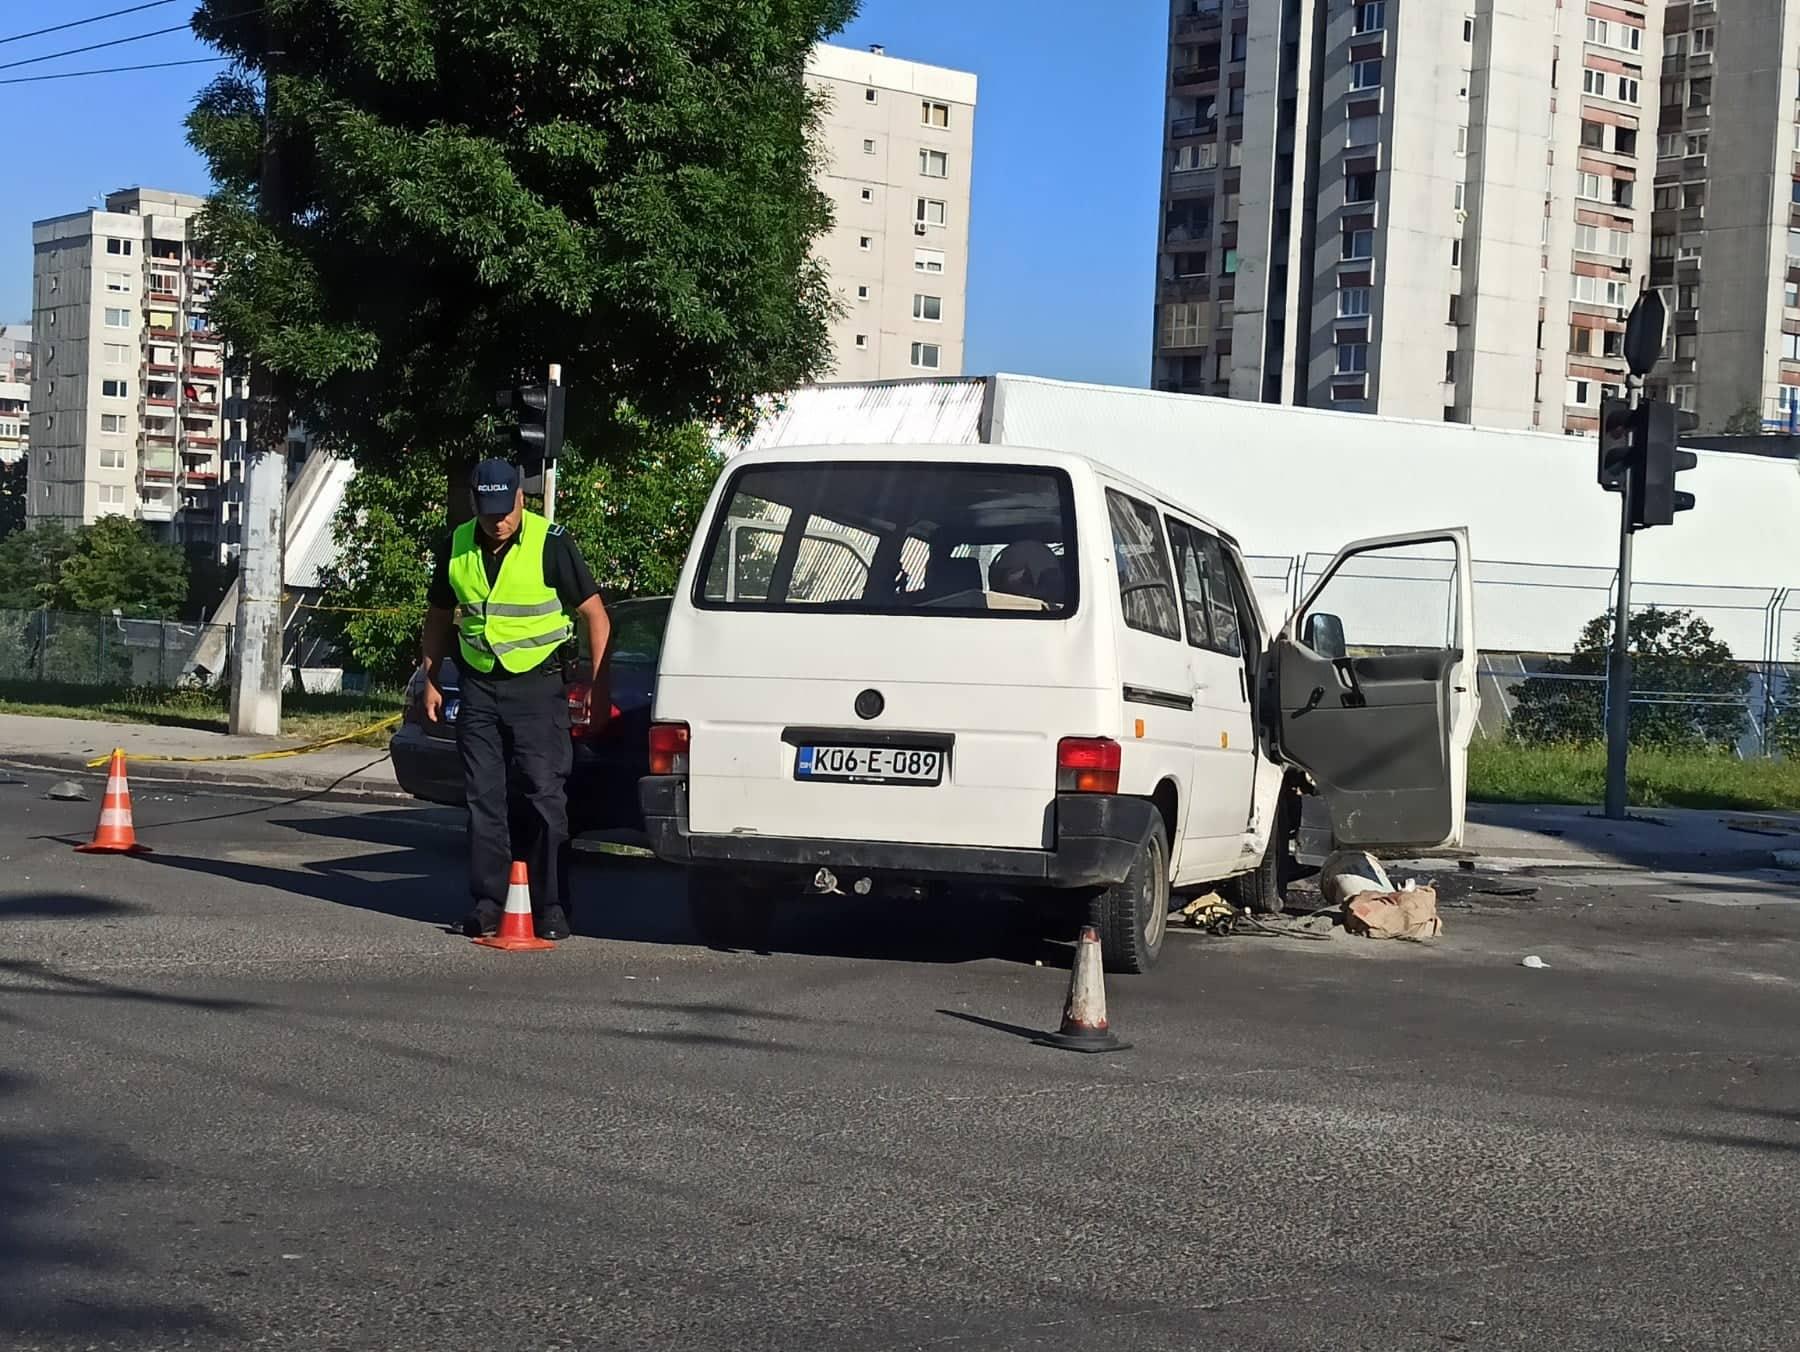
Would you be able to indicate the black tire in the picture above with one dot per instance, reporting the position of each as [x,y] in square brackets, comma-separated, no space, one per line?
[1133,915]
[727,912]
[1264,890]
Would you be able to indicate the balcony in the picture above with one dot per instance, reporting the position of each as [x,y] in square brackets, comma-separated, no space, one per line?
[157,464]
[1194,126]
[1207,15]
[161,368]
[196,369]
[159,401]
[1195,75]
[156,509]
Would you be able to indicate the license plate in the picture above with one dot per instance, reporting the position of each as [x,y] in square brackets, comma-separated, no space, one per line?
[870,765]
[452,707]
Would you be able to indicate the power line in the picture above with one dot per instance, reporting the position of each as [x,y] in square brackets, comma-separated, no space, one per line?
[114,70]
[96,46]
[80,23]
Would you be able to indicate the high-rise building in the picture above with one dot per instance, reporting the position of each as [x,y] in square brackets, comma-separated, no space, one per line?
[15,392]
[128,381]
[1406,207]
[1726,231]
[897,146]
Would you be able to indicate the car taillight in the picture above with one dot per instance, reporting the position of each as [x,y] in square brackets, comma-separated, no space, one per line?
[1087,765]
[581,722]
[668,748]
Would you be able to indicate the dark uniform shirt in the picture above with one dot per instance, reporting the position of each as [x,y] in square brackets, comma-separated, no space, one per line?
[564,570]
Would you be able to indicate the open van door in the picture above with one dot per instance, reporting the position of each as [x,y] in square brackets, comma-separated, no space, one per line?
[1374,683]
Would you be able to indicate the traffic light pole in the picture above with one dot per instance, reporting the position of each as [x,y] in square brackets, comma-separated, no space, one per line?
[1618,662]
[550,467]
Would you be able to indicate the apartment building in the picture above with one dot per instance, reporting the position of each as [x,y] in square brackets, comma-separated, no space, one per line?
[1726,227]
[1405,207]
[128,383]
[897,146]
[15,392]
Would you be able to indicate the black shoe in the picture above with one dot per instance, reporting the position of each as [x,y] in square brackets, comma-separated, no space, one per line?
[482,921]
[553,923]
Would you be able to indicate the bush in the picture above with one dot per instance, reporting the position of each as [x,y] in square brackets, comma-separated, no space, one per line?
[1675,657]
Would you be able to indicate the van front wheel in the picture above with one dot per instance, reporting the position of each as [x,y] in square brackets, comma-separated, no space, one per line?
[1133,914]
[727,912]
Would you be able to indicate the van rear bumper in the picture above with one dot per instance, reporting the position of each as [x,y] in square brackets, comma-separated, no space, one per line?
[1097,839]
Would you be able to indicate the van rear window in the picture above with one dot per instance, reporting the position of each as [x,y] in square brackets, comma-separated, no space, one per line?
[894,536]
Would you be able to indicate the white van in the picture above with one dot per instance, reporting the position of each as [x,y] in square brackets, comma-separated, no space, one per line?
[922,668]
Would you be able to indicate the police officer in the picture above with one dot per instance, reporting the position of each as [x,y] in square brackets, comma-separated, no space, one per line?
[510,584]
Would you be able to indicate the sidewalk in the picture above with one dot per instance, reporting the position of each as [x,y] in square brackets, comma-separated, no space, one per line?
[1654,838]
[67,744]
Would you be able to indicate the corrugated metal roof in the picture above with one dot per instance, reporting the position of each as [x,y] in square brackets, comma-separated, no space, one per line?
[946,411]
[311,545]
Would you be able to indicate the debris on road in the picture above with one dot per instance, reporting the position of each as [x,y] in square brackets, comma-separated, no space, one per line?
[1409,913]
[1506,890]
[1349,873]
[1210,912]
[66,791]
[1534,962]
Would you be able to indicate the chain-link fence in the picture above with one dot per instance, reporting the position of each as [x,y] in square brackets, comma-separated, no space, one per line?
[54,647]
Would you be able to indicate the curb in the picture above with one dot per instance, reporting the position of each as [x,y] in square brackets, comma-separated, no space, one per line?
[1548,862]
[221,776]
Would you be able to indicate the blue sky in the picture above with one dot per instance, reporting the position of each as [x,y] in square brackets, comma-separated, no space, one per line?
[1067,140]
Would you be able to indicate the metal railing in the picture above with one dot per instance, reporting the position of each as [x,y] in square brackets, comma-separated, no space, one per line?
[53,647]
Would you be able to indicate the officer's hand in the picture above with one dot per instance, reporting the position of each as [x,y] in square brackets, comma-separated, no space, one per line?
[434,703]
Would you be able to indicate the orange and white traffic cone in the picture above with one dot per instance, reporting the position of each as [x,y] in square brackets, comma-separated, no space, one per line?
[115,834]
[517,933]
[1084,1027]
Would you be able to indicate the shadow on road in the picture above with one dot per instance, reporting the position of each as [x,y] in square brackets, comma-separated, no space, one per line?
[68,984]
[56,1284]
[1017,1030]
[63,906]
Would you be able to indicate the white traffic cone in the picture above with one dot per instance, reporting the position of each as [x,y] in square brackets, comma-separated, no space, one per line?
[1084,1027]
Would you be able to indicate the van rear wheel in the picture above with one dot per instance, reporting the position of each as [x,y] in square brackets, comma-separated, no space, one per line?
[1133,914]
[727,912]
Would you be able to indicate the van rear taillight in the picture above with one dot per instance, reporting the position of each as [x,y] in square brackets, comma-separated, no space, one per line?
[668,748]
[1087,765]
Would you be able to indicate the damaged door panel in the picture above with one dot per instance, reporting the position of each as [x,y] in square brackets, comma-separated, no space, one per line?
[1374,682]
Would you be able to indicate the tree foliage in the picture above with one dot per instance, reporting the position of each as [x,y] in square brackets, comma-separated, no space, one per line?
[1747,421]
[632,513]
[114,564]
[475,190]
[1691,687]
[12,497]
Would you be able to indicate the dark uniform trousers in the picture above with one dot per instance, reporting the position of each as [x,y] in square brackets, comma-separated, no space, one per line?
[516,756]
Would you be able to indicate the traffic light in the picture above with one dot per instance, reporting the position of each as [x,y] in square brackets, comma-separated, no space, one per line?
[535,439]
[1654,499]
[1617,430]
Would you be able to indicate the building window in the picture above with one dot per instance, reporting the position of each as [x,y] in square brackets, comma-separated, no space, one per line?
[1696,145]
[1628,90]
[1371,17]
[110,495]
[934,164]
[1582,393]
[934,114]
[1703,40]
[114,389]
[926,356]
[119,283]
[1234,154]
[118,319]
[1365,74]
[117,354]
[864,243]
[1197,155]
[1456,253]
[1189,264]
[1690,247]
[1699,95]
[1468,28]
[1352,359]
[1462,140]
[1184,324]
[1353,302]
[1662,246]
[928,308]
[1229,267]
[1687,346]
[1359,244]
[122,247]
[871,96]
[1359,187]
[930,211]
[868,194]
[112,422]
[1455,308]
[1593,135]
[862,341]
[928,260]
[868,145]
[1598,291]
[111,457]
[1594,82]
[1587,185]
[1362,131]
[1790,296]
[1234,101]
[1668,197]
[1581,340]
[1240,46]
[1456,195]
[862,293]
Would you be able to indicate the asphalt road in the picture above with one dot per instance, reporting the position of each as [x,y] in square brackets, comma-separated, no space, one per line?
[252,1096]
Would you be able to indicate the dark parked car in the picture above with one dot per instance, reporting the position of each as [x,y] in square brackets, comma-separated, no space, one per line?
[609,760]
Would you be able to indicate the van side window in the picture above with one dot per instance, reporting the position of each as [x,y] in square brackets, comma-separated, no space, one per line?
[1220,602]
[1146,589]
[1184,543]
[1206,589]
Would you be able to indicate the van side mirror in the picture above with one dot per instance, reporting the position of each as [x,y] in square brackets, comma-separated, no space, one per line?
[1324,634]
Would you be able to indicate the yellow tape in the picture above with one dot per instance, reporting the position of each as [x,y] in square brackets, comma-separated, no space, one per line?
[259,755]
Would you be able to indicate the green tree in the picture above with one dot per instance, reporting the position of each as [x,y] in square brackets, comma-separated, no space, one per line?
[30,561]
[116,564]
[1698,686]
[12,497]
[1746,422]
[476,190]
[1784,720]
[390,522]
